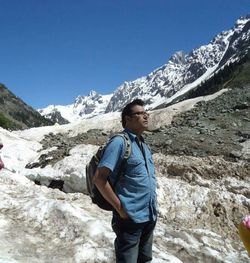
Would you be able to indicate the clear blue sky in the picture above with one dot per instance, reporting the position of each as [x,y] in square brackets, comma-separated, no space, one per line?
[51,51]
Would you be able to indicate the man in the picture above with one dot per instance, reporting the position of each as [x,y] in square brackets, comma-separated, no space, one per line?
[134,197]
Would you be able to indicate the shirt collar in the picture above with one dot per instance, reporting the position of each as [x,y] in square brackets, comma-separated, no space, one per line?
[132,135]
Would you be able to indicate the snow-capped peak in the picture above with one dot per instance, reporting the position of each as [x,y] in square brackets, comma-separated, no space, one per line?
[178,58]
[83,107]
[242,20]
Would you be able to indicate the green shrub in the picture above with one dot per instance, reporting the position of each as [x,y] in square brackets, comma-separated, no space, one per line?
[7,123]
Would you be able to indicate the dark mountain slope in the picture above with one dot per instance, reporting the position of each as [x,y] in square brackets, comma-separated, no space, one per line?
[233,74]
[16,114]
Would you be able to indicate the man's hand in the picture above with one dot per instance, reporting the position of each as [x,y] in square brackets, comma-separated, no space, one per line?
[122,213]
[101,182]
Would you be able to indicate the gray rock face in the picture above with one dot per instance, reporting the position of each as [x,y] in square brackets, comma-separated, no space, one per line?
[56,117]
[217,127]
[88,103]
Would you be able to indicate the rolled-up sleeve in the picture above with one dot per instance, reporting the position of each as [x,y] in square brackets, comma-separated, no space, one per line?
[112,154]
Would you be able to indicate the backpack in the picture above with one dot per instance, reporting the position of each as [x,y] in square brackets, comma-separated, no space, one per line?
[91,167]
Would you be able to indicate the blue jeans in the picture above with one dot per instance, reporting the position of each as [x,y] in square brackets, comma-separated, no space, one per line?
[133,243]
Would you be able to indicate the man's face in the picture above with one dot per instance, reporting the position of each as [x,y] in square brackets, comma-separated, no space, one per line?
[138,120]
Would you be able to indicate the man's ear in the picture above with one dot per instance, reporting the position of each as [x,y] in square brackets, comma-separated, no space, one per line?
[127,118]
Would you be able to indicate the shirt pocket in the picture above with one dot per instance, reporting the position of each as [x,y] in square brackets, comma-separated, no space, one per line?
[135,166]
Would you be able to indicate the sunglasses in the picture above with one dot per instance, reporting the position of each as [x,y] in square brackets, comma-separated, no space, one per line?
[140,113]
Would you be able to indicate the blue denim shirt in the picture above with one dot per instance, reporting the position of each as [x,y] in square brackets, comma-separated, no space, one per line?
[136,188]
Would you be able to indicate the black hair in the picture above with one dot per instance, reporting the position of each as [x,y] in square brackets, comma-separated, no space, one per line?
[127,110]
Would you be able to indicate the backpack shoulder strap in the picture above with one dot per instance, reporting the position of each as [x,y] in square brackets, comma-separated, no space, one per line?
[127,153]
[127,142]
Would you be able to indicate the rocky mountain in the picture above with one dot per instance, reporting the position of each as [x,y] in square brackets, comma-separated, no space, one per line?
[16,114]
[169,83]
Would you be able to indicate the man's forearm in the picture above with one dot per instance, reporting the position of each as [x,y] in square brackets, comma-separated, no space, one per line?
[103,185]
[107,192]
